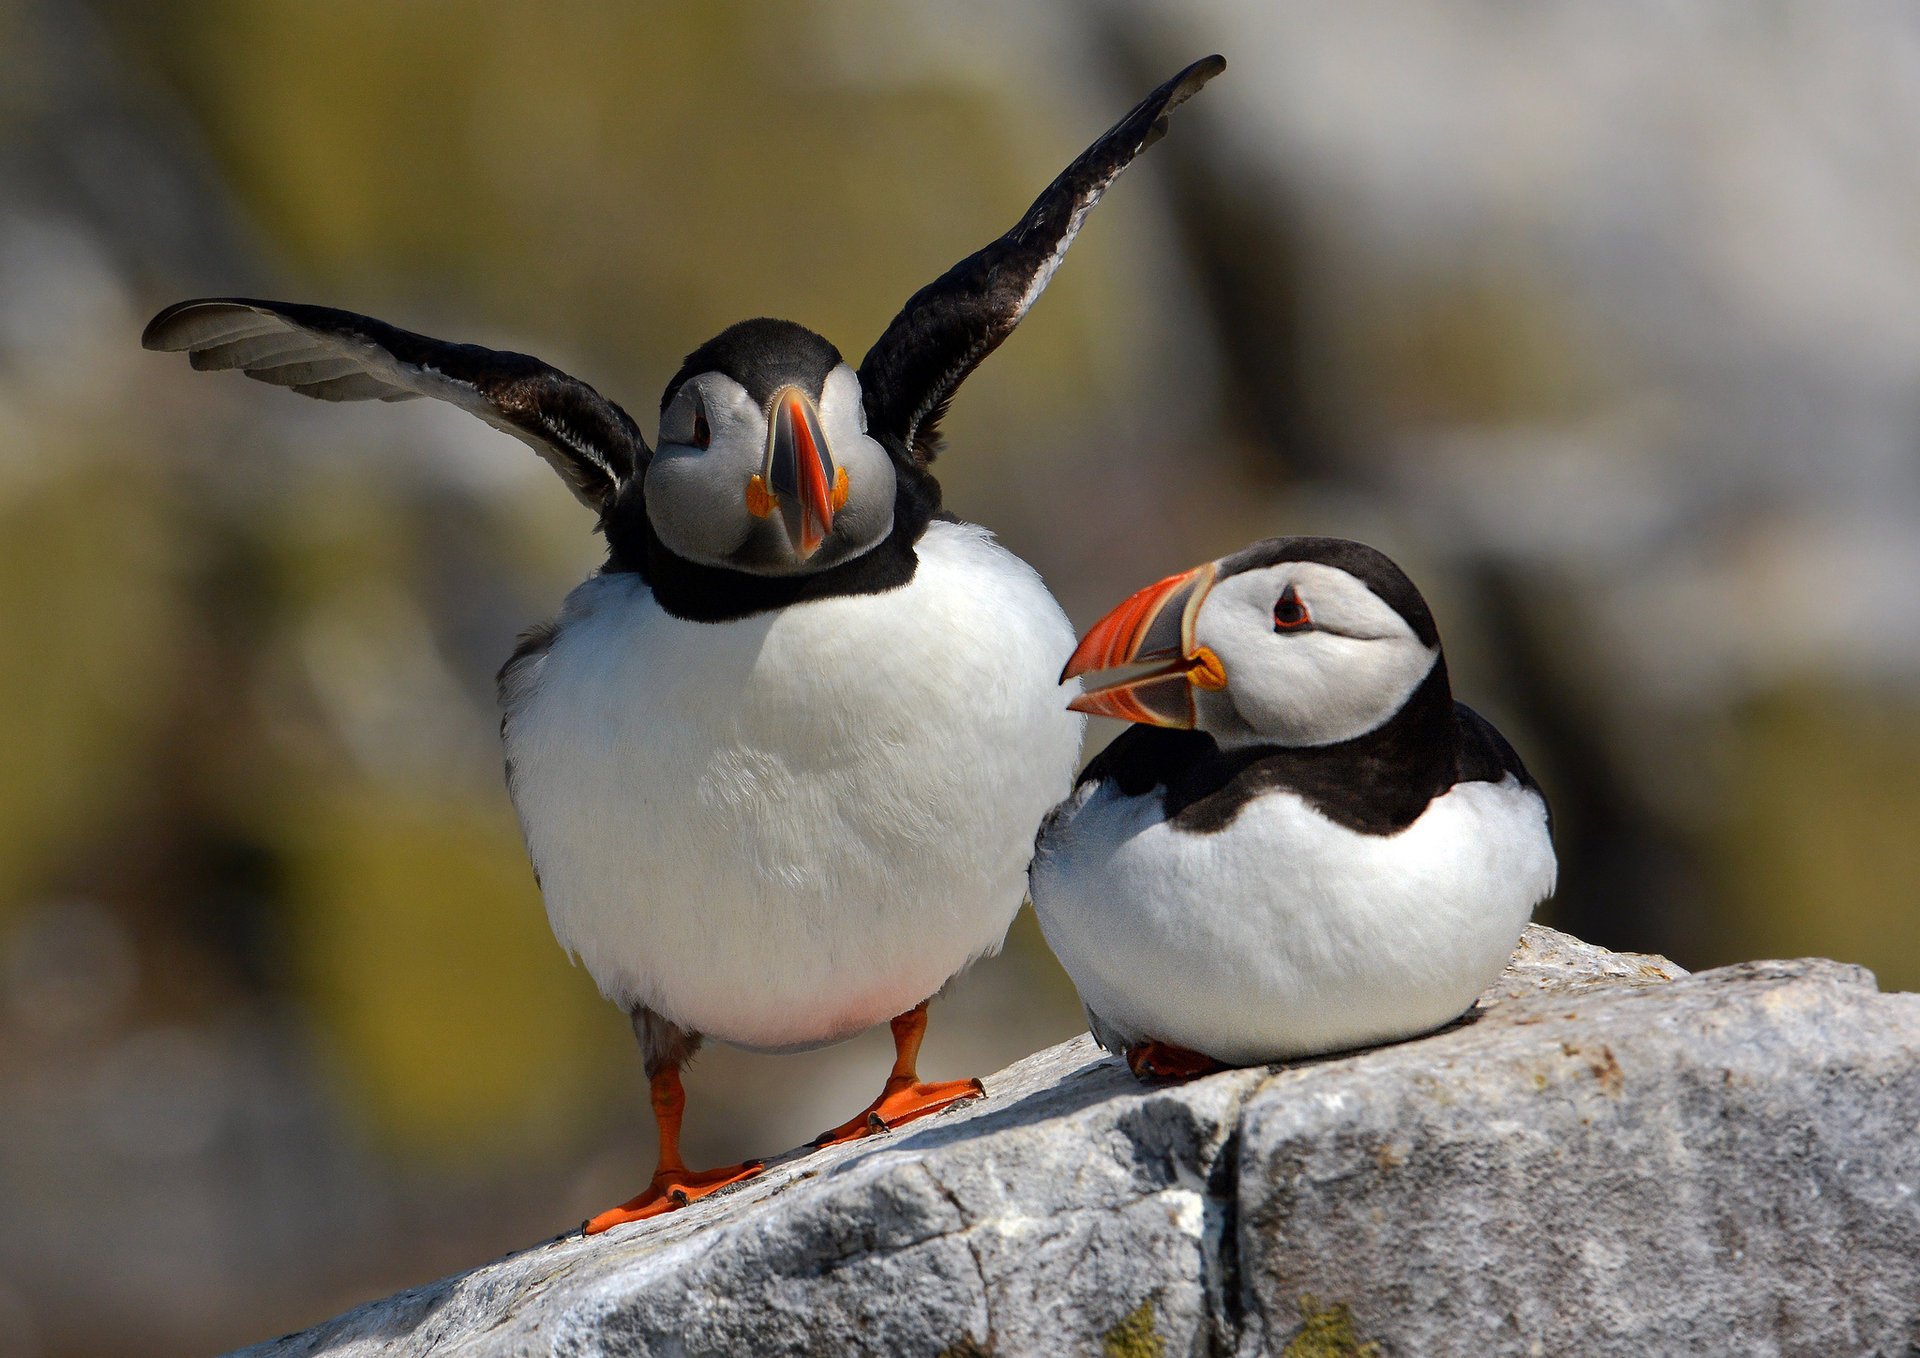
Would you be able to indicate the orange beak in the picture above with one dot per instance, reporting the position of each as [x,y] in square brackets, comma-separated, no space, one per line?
[1154,627]
[800,471]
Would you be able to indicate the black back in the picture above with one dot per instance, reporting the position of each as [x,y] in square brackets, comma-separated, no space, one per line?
[1376,784]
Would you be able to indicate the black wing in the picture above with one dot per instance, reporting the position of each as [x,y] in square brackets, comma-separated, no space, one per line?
[342,356]
[1485,755]
[947,327]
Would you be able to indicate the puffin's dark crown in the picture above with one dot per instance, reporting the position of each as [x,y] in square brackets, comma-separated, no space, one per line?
[1370,566]
[762,355]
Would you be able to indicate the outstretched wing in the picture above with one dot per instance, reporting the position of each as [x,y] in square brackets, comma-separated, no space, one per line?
[947,327]
[342,356]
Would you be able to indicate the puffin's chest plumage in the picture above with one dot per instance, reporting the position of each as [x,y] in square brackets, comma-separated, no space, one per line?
[783,829]
[1285,933]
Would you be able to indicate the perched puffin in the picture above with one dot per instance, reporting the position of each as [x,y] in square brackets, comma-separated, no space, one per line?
[779,762]
[1306,844]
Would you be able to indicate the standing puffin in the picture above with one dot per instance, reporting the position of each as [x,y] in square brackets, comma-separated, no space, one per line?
[1306,844]
[779,762]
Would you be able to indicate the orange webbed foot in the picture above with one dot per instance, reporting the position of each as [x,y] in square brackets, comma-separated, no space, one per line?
[670,1190]
[1164,1062]
[902,1101]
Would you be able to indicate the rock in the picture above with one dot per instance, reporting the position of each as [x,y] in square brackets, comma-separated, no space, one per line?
[1608,1156]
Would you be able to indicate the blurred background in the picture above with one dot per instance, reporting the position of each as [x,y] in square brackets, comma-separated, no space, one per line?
[1603,319]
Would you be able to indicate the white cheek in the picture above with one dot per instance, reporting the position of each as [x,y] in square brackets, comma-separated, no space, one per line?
[1339,679]
[696,506]
[842,413]
[1285,688]
[864,457]
[1318,688]
[696,498]
[868,516]
[739,433]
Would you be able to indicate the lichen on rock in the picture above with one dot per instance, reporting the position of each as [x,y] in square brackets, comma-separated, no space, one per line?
[1327,1332]
[1134,1336]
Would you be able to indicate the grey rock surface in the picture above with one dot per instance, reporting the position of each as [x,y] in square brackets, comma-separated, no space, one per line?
[1608,1156]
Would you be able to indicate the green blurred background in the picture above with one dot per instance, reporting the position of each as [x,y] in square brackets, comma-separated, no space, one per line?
[1599,317]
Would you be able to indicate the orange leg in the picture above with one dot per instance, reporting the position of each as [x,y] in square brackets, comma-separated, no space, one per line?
[1164,1061]
[903,1098]
[673,1185]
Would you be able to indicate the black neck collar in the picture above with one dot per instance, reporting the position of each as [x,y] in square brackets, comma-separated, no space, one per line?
[700,593]
[1378,783]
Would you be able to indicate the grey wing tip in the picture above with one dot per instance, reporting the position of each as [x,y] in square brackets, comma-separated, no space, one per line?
[1188,82]
[169,332]
[162,334]
[1185,85]
[1176,92]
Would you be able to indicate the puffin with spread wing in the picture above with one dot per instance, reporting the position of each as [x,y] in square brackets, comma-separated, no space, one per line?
[779,762]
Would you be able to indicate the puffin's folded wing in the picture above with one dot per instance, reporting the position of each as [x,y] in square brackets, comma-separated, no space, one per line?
[342,356]
[947,327]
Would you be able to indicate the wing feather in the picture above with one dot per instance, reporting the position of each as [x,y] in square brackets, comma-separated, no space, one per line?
[334,355]
[949,326]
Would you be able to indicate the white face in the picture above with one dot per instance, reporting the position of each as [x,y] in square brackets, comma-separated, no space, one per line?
[697,496]
[1337,666]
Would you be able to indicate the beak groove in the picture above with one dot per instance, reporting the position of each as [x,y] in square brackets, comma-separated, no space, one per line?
[1152,627]
[806,486]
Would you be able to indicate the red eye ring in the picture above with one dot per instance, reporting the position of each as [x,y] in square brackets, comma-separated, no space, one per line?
[1289,614]
[702,432]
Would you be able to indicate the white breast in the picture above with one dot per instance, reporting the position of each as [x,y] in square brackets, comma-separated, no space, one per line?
[1285,934]
[781,830]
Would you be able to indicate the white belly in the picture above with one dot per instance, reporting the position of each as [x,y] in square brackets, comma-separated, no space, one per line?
[1285,934]
[781,830]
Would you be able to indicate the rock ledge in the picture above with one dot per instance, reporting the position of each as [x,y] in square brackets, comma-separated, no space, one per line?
[1609,1156]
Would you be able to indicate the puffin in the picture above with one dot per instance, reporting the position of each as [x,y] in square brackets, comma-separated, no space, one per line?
[1302,844]
[778,762]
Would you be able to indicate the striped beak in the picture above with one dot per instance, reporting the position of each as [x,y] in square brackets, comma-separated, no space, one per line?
[1153,629]
[800,472]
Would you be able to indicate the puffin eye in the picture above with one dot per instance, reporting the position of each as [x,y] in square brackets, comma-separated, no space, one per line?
[1289,614]
[702,431]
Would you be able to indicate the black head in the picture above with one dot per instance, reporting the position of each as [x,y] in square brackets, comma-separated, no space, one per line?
[1292,641]
[762,355]
[1369,565]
